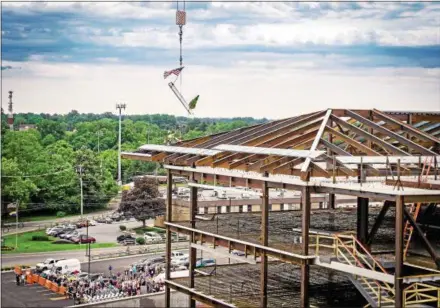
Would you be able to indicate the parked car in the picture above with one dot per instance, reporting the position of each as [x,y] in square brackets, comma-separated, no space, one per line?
[101,220]
[178,254]
[149,239]
[71,235]
[238,253]
[64,231]
[156,238]
[123,237]
[64,234]
[128,241]
[205,263]
[83,239]
[92,222]
[181,261]
[54,231]
[108,220]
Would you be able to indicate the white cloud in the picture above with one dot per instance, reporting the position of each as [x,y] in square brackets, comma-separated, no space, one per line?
[248,89]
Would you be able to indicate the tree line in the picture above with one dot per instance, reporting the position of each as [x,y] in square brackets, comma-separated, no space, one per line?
[39,165]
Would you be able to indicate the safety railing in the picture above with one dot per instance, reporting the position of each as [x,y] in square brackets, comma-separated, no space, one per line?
[348,244]
[420,293]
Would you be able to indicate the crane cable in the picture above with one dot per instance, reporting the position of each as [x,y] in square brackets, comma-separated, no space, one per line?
[181,21]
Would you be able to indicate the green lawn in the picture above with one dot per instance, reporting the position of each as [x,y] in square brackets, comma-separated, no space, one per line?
[25,244]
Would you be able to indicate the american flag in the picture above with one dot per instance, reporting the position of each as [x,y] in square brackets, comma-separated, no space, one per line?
[175,71]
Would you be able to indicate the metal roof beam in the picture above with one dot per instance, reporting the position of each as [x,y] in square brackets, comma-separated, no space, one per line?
[361,147]
[305,166]
[369,136]
[390,133]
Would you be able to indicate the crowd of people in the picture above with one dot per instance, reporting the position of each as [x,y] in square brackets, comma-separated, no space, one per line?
[129,283]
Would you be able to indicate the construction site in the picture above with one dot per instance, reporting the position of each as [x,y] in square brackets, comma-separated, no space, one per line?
[341,210]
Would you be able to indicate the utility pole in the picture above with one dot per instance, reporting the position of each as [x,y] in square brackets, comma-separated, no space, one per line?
[79,170]
[10,112]
[120,107]
[17,205]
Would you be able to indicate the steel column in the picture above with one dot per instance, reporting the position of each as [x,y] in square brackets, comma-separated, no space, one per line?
[398,273]
[331,201]
[168,218]
[305,268]
[192,251]
[362,219]
[264,242]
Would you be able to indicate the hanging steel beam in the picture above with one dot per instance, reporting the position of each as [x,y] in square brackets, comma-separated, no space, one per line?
[390,133]
[305,167]
[371,137]
[406,127]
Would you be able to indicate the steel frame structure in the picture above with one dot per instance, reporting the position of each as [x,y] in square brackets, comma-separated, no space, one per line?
[351,133]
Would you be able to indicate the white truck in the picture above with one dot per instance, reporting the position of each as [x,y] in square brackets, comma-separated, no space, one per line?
[47,264]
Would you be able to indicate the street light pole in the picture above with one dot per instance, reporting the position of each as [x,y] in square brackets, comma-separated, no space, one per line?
[79,169]
[16,224]
[120,107]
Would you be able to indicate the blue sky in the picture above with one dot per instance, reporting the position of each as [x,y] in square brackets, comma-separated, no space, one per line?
[67,48]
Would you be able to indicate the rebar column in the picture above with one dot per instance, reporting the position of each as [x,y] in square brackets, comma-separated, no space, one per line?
[305,268]
[398,273]
[168,218]
[192,251]
[264,242]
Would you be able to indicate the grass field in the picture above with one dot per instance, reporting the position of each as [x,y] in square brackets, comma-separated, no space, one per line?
[25,244]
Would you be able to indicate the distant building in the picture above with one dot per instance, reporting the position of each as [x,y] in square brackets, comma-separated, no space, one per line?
[27,126]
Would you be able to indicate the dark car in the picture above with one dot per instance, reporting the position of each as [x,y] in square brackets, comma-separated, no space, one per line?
[123,237]
[83,239]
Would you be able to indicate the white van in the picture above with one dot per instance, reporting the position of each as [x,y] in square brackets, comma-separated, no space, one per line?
[67,266]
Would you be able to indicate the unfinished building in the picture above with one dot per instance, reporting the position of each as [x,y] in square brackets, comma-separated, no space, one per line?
[381,255]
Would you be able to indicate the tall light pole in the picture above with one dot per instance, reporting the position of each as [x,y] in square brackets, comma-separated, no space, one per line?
[79,170]
[120,107]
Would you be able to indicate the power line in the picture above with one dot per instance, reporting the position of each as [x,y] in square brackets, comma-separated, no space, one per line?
[35,175]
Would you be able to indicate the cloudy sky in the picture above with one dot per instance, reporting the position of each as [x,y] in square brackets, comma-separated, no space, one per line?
[244,59]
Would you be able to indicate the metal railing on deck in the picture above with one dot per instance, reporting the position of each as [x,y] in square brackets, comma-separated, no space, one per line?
[419,293]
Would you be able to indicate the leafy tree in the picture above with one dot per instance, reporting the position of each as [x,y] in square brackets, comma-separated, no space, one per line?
[14,187]
[49,127]
[143,201]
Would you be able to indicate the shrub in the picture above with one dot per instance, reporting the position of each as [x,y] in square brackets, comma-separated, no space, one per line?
[40,238]
[61,214]
[140,240]
[122,227]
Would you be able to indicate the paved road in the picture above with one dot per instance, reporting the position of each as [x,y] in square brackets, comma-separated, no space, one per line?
[37,296]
